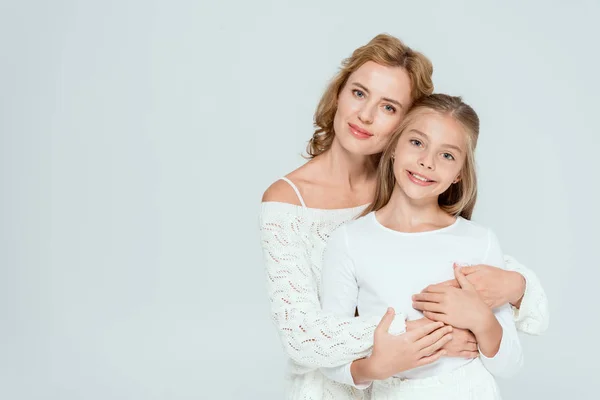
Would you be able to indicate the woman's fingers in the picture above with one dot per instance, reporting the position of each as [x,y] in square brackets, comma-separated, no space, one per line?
[451,282]
[433,337]
[457,348]
[434,316]
[386,321]
[468,270]
[429,297]
[441,287]
[419,333]
[468,354]
[431,359]
[471,346]
[436,345]
[427,306]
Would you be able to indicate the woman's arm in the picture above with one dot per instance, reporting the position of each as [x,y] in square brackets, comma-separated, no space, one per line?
[532,315]
[310,337]
[339,295]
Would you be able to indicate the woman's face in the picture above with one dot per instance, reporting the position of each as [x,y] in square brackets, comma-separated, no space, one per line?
[371,105]
[430,155]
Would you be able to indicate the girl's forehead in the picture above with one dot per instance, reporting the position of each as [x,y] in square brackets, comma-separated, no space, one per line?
[437,127]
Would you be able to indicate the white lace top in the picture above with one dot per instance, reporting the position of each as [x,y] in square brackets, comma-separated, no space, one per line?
[293,239]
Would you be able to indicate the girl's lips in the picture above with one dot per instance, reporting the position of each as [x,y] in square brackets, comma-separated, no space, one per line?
[418,181]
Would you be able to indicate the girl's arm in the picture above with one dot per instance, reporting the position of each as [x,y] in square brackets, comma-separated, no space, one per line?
[464,307]
[507,360]
[516,285]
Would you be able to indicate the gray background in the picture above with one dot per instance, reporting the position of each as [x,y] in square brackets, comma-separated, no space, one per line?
[138,136]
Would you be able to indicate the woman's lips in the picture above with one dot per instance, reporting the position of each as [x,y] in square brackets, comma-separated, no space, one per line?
[359,132]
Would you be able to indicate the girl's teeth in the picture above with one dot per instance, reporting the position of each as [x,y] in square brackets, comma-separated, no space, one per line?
[420,178]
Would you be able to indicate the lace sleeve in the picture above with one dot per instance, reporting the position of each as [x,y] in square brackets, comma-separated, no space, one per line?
[310,337]
[533,315]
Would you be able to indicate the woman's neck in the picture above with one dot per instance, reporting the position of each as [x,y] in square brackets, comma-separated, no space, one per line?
[406,214]
[343,168]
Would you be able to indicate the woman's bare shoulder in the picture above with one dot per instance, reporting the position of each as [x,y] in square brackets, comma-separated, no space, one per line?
[282,192]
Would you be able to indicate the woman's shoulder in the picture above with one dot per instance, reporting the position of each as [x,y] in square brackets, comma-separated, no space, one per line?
[281,191]
[290,188]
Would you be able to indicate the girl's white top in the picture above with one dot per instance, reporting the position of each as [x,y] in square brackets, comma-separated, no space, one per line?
[369,266]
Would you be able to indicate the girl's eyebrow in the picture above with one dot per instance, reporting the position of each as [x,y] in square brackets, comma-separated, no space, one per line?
[450,146]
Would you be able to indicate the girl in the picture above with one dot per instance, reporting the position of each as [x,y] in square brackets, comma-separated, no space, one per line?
[359,110]
[417,227]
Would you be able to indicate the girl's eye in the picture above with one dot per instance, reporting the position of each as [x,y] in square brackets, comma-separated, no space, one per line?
[358,93]
[389,108]
[448,156]
[415,142]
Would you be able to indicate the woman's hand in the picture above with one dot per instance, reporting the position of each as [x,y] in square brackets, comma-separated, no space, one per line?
[463,342]
[393,354]
[496,286]
[460,307]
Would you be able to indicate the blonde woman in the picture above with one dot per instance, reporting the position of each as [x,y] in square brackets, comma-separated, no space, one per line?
[417,227]
[364,103]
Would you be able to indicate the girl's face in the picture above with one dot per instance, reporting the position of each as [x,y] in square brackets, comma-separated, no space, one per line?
[371,105]
[429,155]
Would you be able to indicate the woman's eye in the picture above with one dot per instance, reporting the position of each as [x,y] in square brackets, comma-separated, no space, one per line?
[358,93]
[415,142]
[390,108]
[448,156]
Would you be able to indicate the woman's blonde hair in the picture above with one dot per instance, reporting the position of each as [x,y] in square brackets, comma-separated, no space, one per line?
[384,50]
[459,199]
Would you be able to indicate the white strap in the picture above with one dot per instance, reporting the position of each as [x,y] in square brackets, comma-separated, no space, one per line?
[295,190]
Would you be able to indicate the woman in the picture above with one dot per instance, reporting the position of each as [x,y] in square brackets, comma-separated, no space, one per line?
[415,229]
[356,116]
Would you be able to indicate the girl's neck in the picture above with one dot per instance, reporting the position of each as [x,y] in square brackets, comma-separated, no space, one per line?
[409,215]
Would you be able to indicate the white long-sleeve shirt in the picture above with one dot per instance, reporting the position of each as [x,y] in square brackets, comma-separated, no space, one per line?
[293,239]
[369,266]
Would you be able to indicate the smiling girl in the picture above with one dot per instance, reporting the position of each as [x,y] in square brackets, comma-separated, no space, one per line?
[415,231]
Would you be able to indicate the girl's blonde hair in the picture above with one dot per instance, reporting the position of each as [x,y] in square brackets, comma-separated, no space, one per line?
[384,50]
[459,199]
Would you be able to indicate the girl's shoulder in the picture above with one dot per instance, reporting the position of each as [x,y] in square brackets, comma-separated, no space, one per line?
[474,229]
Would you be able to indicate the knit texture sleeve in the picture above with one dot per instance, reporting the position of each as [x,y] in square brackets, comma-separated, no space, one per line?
[533,316]
[310,337]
